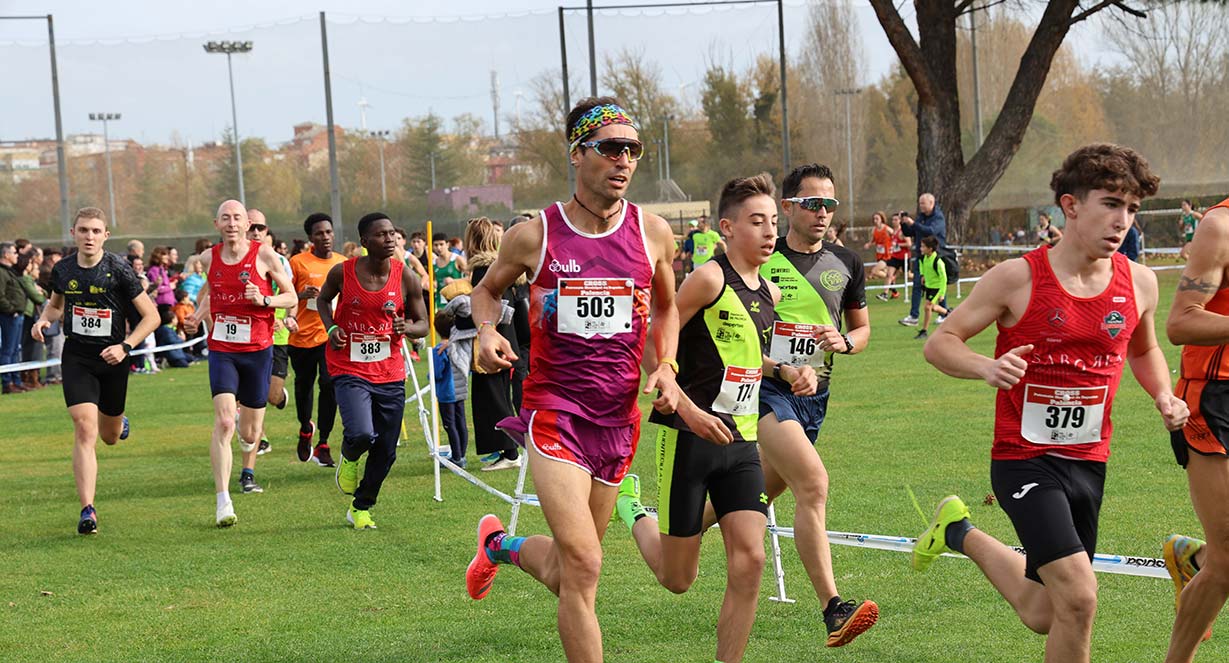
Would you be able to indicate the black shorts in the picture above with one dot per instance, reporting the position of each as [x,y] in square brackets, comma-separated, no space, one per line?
[281,362]
[898,263]
[88,378]
[1053,503]
[244,374]
[928,294]
[691,469]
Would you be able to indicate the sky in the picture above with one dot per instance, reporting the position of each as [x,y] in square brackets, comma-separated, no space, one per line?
[144,59]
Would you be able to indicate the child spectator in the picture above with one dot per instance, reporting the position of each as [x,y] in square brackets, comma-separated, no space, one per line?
[182,309]
[934,281]
[451,400]
[167,335]
[194,278]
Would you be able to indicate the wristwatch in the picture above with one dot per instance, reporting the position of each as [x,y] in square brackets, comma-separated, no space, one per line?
[776,371]
[266,301]
[848,344]
[127,348]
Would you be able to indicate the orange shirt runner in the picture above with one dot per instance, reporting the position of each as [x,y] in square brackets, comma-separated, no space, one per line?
[1205,368]
[882,237]
[309,271]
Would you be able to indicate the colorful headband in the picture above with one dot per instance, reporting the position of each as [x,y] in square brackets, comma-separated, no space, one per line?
[596,118]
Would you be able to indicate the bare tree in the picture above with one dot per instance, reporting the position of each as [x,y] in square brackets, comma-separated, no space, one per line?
[1174,64]
[832,62]
[930,60]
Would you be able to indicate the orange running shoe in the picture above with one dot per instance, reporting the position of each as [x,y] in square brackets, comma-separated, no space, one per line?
[481,572]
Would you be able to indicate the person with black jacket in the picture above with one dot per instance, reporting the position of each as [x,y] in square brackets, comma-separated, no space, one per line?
[12,305]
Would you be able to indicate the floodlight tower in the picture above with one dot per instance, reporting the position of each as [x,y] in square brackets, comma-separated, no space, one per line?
[106,143]
[229,47]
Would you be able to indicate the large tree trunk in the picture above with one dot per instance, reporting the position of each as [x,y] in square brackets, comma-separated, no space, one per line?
[930,62]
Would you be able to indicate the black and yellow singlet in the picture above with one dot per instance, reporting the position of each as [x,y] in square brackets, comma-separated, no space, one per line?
[721,354]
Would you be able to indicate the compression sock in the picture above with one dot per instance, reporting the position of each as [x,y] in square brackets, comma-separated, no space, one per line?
[954,535]
[501,548]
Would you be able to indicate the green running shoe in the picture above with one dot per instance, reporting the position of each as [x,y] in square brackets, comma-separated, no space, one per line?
[360,519]
[932,543]
[347,476]
[628,506]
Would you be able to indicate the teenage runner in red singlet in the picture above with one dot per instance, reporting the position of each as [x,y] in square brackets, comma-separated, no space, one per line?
[1068,318]
[902,244]
[374,295]
[1199,320]
[598,267]
[237,299]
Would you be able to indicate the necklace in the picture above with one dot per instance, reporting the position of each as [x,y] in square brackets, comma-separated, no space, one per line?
[599,216]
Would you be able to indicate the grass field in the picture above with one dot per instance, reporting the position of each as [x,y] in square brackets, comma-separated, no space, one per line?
[292,583]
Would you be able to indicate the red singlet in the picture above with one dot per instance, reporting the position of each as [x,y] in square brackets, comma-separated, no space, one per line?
[1062,405]
[238,325]
[372,351]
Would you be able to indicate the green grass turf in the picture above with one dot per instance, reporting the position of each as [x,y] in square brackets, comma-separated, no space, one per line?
[292,583]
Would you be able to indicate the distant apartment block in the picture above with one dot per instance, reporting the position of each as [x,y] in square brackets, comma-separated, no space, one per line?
[471,199]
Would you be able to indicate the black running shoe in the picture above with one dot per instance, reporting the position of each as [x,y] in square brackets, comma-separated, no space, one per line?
[89,521]
[848,620]
[305,442]
[321,456]
[264,447]
[248,482]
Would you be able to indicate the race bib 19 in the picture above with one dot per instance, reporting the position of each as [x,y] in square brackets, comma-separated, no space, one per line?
[92,321]
[595,306]
[740,391]
[1062,415]
[369,348]
[232,329]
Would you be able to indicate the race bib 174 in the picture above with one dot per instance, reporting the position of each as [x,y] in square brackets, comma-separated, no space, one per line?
[740,391]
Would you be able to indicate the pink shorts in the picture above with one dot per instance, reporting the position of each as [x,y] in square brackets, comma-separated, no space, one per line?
[605,452]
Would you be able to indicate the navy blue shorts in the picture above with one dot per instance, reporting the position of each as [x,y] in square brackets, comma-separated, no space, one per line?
[244,374]
[808,411]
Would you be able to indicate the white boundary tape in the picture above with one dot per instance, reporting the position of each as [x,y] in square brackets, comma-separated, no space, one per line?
[906,286]
[30,365]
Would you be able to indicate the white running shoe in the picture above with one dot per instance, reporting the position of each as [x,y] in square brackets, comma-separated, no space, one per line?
[908,321]
[226,515]
[502,464]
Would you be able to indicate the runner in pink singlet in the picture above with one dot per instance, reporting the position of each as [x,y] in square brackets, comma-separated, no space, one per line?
[600,267]
[588,313]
